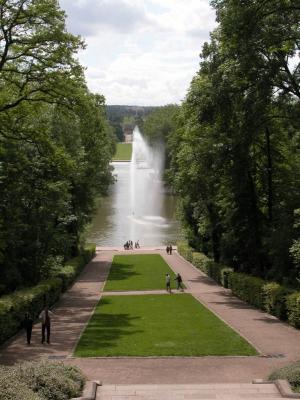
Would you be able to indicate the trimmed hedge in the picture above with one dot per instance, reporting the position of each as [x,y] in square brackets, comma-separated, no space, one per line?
[216,271]
[185,250]
[293,309]
[14,306]
[280,301]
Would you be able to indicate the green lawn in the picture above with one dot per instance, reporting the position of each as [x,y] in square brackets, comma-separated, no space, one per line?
[138,272]
[123,152]
[158,325]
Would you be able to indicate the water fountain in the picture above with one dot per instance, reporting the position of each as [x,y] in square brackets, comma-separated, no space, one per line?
[138,207]
[146,186]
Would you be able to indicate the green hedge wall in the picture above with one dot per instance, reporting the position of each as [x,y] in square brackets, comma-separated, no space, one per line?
[271,297]
[185,250]
[293,309]
[14,306]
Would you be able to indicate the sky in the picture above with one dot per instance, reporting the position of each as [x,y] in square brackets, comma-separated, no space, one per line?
[140,52]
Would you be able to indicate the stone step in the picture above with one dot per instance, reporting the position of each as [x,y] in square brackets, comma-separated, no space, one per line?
[228,391]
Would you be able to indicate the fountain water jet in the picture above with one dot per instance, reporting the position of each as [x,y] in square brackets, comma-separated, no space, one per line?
[146,186]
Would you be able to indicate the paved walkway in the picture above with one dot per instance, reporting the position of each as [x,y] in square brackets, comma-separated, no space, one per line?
[278,342]
[192,392]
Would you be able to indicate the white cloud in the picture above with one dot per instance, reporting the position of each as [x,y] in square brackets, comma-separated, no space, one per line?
[140,52]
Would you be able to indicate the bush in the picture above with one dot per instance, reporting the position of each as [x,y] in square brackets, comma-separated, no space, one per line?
[11,388]
[293,309]
[216,271]
[275,299]
[14,306]
[248,288]
[185,251]
[291,373]
[40,381]
[200,261]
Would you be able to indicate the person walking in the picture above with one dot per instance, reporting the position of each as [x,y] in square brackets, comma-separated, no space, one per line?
[167,249]
[179,281]
[28,323]
[46,316]
[168,283]
[170,249]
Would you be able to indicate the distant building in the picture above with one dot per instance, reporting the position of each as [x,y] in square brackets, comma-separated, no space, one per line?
[128,133]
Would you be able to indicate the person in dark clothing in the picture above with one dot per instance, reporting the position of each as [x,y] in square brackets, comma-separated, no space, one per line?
[170,249]
[179,281]
[28,323]
[168,283]
[46,316]
[167,249]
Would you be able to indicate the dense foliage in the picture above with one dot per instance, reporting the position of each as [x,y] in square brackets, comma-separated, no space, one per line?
[235,153]
[55,144]
[159,126]
[41,380]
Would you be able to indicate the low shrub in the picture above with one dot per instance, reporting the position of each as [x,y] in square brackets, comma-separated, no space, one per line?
[11,388]
[200,261]
[185,251]
[88,252]
[14,306]
[248,288]
[40,381]
[291,373]
[217,272]
[293,309]
[275,299]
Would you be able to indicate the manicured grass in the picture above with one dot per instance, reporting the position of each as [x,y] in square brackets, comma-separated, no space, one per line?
[138,272]
[158,325]
[123,152]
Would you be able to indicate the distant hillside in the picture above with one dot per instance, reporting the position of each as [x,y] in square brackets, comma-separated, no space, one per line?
[119,116]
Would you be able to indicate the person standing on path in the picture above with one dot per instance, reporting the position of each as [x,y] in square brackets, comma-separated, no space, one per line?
[28,323]
[170,249]
[46,316]
[168,283]
[179,281]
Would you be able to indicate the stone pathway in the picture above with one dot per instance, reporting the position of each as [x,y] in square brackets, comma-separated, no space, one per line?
[189,392]
[278,342]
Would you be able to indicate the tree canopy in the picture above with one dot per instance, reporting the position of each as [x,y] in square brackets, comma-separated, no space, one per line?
[55,143]
[234,149]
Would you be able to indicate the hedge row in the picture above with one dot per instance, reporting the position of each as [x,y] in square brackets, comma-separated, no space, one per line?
[271,297]
[14,306]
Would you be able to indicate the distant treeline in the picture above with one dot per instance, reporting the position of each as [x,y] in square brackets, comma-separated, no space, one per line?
[119,116]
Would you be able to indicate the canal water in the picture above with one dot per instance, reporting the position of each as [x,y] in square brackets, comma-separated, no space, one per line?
[148,215]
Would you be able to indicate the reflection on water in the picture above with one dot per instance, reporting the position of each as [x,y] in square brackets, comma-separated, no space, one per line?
[115,222]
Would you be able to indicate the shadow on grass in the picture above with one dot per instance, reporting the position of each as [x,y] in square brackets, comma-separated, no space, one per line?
[121,271]
[104,331]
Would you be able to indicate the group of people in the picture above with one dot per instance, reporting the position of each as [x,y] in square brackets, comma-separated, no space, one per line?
[178,278]
[169,249]
[129,245]
[45,316]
